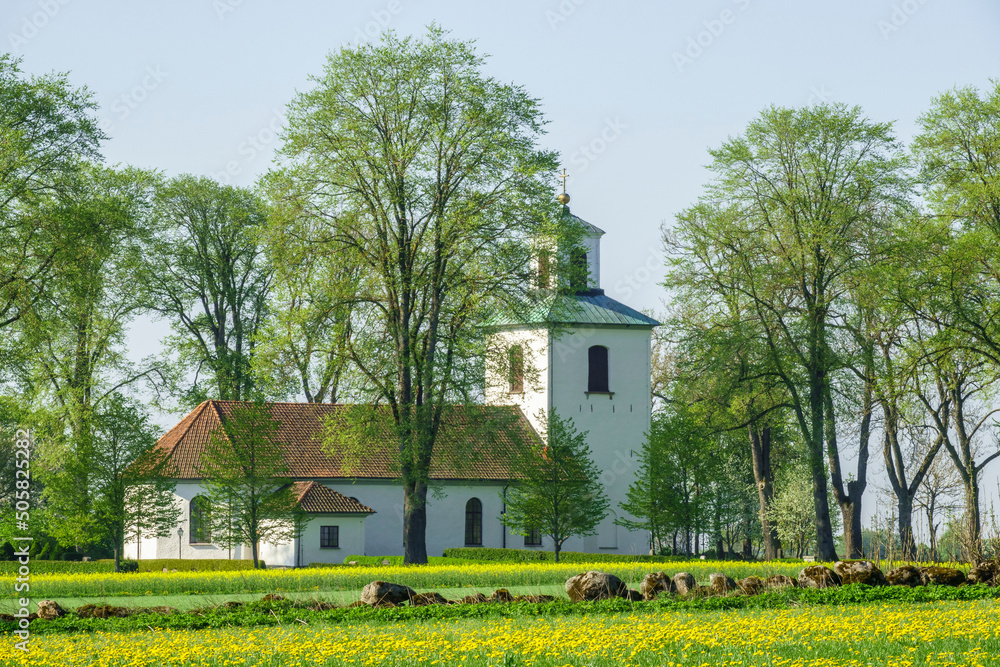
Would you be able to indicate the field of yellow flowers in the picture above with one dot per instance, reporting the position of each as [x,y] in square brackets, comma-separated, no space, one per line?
[894,635]
[426,577]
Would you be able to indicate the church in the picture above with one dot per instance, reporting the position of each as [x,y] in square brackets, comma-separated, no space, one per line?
[589,359]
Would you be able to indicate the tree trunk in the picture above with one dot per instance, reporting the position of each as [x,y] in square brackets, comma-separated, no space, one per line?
[760,448]
[825,550]
[904,505]
[415,523]
[973,523]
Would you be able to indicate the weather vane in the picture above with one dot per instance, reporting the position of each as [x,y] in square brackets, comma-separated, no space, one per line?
[563,198]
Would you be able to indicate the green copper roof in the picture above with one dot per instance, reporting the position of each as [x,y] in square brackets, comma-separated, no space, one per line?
[592,307]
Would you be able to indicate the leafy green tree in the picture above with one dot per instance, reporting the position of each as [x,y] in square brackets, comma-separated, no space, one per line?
[250,494]
[47,130]
[958,286]
[797,207]
[560,494]
[207,274]
[132,481]
[425,175]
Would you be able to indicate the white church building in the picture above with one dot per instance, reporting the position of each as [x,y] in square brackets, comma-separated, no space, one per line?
[587,356]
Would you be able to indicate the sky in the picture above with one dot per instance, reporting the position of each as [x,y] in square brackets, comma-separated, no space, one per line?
[635,92]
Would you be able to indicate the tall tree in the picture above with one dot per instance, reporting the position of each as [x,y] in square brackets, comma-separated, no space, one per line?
[785,223]
[77,330]
[561,493]
[426,175]
[47,130]
[207,274]
[251,497]
[132,482]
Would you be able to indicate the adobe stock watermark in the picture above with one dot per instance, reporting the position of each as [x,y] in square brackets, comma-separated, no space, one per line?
[899,16]
[704,39]
[126,103]
[22,539]
[638,277]
[248,149]
[32,24]
[818,95]
[562,12]
[589,152]
[381,18]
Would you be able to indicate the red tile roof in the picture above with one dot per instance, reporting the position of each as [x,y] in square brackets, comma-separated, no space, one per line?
[475,442]
[316,498]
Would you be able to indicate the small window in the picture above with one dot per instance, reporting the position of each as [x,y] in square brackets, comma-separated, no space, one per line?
[329,537]
[597,379]
[533,538]
[544,270]
[200,521]
[515,360]
[474,523]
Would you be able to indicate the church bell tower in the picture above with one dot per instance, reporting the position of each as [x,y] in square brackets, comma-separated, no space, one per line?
[587,356]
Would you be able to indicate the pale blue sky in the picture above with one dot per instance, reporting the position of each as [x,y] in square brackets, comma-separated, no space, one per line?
[635,92]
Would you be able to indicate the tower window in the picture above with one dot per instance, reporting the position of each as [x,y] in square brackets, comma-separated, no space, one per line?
[515,360]
[597,378]
[578,269]
[474,523]
[544,269]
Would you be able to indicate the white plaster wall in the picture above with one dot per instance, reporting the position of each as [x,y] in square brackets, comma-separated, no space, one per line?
[445,515]
[534,401]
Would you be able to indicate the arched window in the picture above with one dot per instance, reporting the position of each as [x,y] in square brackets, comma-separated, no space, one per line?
[200,521]
[579,271]
[474,523]
[597,378]
[515,360]
[544,269]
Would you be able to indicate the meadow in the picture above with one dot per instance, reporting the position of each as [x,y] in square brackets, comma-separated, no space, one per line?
[893,635]
[854,625]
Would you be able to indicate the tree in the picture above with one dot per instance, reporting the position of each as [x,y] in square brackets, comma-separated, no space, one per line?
[47,130]
[251,498]
[76,330]
[132,481]
[560,494]
[206,272]
[798,205]
[425,174]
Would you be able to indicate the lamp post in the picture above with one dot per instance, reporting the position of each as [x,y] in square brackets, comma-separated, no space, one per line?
[180,542]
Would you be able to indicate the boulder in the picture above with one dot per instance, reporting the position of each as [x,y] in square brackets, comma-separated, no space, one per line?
[781,581]
[943,576]
[501,595]
[655,583]
[427,599]
[720,583]
[752,585]
[594,585]
[906,575]
[684,582]
[536,599]
[633,596]
[859,572]
[49,610]
[162,609]
[102,611]
[381,592]
[478,598]
[986,572]
[818,576]
[272,597]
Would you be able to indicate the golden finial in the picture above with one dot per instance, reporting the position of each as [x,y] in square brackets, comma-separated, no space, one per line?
[563,198]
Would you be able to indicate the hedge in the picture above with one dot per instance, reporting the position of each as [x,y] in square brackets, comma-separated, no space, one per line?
[190,564]
[57,567]
[527,555]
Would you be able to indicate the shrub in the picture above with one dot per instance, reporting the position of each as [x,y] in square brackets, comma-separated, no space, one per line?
[527,555]
[128,566]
